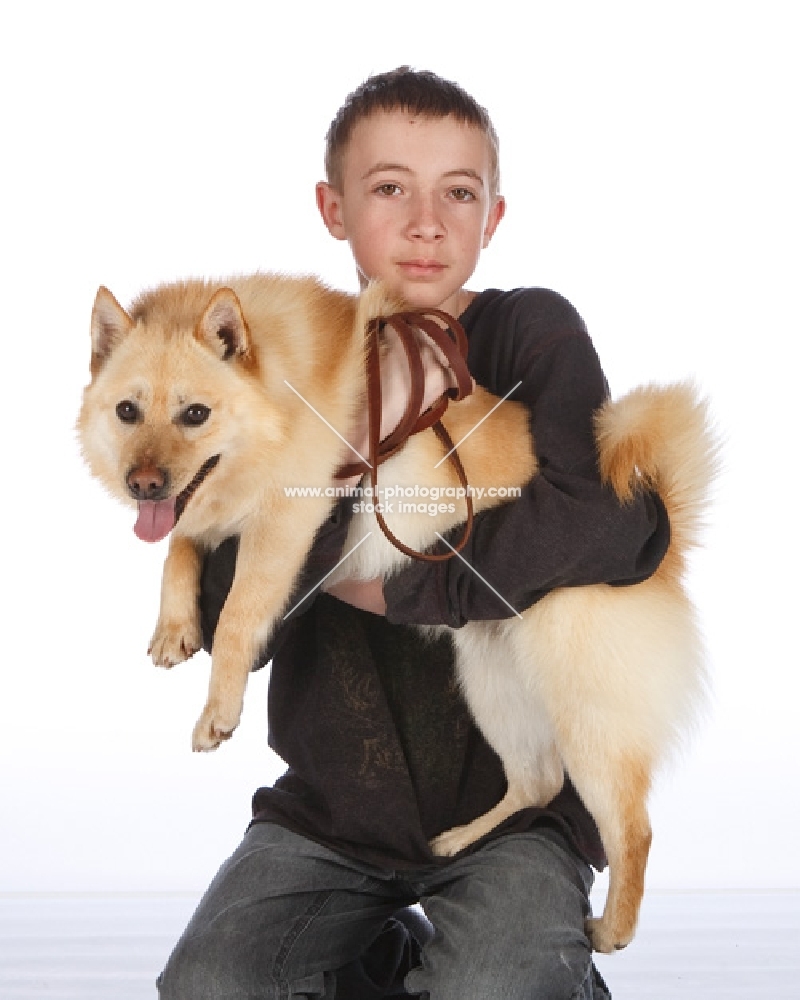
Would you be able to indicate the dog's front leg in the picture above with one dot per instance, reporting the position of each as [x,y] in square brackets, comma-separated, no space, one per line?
[271,554]
[177,635]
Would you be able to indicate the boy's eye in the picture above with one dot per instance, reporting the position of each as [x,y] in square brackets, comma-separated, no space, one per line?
[195,415]
[462,194]
[388,189]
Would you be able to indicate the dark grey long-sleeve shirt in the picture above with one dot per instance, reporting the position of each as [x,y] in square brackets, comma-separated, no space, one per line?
[382,751]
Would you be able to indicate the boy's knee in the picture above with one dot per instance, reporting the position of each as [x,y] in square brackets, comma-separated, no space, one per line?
[530,940]
[188,975]
[195,971]
[542,973]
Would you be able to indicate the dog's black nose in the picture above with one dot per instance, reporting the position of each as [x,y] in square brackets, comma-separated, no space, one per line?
[146,482]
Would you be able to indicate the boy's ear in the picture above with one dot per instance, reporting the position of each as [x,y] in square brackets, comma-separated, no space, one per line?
[329,203]
[496,213]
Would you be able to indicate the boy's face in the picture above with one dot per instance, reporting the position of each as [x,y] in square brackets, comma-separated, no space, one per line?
[415,205]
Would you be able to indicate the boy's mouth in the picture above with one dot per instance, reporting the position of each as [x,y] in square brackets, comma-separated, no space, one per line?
[421,268]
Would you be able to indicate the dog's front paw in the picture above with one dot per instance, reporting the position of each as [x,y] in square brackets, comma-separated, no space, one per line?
[214,726]
[452,841]
[175,641]
[606,938]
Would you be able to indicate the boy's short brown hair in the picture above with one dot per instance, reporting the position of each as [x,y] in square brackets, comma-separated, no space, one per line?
[419,92]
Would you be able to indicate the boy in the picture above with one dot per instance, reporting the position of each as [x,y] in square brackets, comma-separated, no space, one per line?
[381,750]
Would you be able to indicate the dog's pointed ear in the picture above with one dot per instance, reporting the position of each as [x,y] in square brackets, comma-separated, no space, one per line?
[223,327]
[110,323]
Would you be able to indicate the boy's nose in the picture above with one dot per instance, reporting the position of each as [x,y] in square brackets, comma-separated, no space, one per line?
[425,222]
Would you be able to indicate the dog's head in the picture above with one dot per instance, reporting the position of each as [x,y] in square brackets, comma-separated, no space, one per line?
[173,388]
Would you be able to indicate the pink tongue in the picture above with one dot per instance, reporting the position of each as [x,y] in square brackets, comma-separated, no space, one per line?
[156,519]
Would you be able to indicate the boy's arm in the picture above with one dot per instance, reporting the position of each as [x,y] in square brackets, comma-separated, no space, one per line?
[566,529]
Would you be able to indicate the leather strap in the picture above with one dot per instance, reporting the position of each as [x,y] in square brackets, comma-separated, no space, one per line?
[452,342]
[446,440]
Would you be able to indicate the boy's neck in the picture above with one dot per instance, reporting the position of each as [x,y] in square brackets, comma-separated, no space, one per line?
[463,300]
[455,306]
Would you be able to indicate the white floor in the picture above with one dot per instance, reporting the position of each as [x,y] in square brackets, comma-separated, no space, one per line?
[706,946]
[692,946]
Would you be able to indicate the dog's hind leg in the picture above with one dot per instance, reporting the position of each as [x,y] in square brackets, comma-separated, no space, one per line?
[615,793]
[619,674]
[512,722]
[611,771]
[458,838]
[524,790]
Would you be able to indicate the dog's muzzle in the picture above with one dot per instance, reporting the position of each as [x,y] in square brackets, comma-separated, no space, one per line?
[159,512]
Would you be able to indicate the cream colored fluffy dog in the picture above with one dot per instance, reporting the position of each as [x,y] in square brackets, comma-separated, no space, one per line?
[205,403]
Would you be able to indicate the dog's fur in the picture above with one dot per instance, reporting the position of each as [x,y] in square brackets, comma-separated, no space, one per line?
[599,681]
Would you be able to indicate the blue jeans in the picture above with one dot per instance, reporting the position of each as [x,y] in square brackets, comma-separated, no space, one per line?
[286,917]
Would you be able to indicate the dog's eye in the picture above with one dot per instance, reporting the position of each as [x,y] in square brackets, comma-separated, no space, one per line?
[128,411]
[195,415]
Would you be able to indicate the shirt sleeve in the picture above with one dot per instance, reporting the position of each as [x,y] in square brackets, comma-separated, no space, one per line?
[566,529]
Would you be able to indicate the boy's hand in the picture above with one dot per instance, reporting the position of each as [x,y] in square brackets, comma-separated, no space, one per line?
[395,390]
[396,378]
[364,594]
[396,387]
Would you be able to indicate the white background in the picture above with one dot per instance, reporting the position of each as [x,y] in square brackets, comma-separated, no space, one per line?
[649,158]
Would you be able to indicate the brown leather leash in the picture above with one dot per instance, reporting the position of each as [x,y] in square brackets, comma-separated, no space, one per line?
[452,342]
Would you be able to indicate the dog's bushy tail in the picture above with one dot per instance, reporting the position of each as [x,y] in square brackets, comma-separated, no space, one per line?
[661,438]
